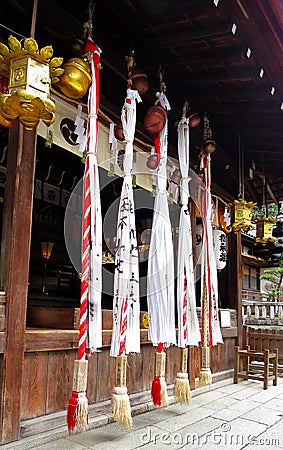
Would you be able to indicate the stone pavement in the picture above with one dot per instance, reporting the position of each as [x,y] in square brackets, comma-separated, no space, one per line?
[223,415]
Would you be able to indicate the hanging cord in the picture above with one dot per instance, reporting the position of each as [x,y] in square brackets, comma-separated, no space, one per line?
[240,194]
[33,20]
[130,60]
[243,169]
[88,26]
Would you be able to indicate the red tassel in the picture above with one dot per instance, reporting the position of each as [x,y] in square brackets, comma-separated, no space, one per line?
[77,412]
[156,391]
[71,412]
[160,347]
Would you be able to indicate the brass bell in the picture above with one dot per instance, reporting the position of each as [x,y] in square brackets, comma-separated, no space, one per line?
[176,176]
[152,161]
[209,146]
[118,132]
[140,81]
[194,119]
[155,119]
[75,81]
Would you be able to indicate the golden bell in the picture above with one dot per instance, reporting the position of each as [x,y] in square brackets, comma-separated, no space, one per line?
[76,79]
[209,146]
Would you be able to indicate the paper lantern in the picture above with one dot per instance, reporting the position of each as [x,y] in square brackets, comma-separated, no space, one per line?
[264,228]
[219,243]
[241,215]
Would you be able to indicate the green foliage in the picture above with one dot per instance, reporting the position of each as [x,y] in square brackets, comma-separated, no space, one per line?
[273,210]
[275,276]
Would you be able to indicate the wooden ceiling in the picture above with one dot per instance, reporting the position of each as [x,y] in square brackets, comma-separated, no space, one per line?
[224,57]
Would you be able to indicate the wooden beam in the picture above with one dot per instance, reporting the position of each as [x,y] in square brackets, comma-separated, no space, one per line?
[14,272]
[187,35]
[196,58]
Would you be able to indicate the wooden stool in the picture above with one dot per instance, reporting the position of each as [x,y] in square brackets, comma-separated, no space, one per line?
[265,371]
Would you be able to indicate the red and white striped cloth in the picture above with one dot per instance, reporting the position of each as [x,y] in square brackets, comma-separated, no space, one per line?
[126,306]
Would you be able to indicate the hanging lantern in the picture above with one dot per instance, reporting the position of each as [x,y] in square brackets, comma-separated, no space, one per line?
[264,228]
[241,215]
[30,72]
[220,250]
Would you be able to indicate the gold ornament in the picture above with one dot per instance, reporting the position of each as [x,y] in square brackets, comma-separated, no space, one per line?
[264,228]
[241,215]
[75,81]
[145,320]
[31,72]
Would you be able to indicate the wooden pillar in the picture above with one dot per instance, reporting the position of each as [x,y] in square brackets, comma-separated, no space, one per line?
[236,278]
[14,271]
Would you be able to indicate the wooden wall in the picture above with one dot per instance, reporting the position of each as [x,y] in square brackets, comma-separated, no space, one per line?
[49,361]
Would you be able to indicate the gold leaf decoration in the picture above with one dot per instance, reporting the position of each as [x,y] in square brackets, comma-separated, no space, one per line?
[3,65]
[46,52]
[55,80]
[30,45]
[57,72]
[56,62]
[14,44]
[4,50]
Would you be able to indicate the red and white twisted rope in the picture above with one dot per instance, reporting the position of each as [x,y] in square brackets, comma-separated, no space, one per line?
[89,212]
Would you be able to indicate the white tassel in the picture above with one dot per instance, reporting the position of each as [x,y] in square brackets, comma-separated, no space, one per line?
[182,390]
[163,392]
[120,406]
[205,376]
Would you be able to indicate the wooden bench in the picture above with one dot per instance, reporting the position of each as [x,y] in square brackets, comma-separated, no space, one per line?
[262,366]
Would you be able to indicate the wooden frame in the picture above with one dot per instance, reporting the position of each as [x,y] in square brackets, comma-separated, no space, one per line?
[267,371]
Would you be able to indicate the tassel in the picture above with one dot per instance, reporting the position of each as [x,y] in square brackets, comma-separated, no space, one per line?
[120,403]
[205,376]
[182,390]
[120,406]
[159,387]
[156,391]
[163,392]
[77,411]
